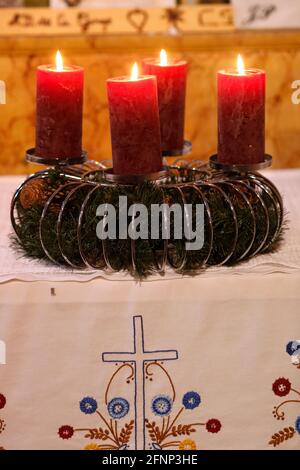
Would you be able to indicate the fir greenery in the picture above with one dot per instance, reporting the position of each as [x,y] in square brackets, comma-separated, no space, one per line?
[143,257]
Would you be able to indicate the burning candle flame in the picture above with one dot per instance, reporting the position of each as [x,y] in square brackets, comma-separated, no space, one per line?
[134,72]
[59,62]
[240,65]
[163,57]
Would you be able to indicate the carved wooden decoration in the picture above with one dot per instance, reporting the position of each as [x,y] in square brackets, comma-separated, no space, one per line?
[72,21]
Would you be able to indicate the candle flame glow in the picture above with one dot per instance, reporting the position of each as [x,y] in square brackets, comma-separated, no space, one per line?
[163,57]
[134,72]
[59,62]
[240,65]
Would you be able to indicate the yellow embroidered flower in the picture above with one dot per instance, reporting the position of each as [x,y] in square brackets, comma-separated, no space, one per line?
[91,447]
[187,444]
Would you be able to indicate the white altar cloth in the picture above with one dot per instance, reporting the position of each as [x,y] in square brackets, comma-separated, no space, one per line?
[223,352]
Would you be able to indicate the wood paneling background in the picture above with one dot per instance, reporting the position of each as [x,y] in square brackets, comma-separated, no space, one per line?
[102,57]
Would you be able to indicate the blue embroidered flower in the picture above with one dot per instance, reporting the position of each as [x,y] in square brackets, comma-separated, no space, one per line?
[297,424]
[161,405]
[292,347]
[191,400]
[88,405]
[118,408]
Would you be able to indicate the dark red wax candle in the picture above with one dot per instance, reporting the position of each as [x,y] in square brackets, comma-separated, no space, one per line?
[134,124]
[241,116]
[171,85]
[59,112]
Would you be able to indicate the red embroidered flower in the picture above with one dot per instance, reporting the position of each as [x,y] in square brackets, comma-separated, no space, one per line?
[281,387]
[2,401]
[66,432]
[213,425]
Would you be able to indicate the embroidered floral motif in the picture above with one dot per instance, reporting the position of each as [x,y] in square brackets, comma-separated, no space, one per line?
[2,422]
[92,447]
[292,347]
[297,425]
[213,425]
[139,366]
[2,425]
[281,388]
[66,432]
[113,438]
[161,405]
[191,400]
[187,444]
[88,405]
[118,408]
[2,401]
[293,350]
[162,434]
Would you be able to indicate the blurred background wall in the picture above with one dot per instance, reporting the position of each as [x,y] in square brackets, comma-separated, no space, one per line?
[102,57]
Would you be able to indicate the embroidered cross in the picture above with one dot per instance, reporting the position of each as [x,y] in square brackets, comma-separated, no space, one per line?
[139,357]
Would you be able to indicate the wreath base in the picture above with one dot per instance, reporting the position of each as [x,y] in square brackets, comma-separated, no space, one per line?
[53,214]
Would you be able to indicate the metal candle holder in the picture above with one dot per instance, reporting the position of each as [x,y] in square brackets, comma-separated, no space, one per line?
[240,168]
[238,187]
[186,149]
[32,157]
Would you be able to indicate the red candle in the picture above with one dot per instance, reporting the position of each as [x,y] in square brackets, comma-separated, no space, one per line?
[171,85]
[241,115]
[59,111]
[134,124]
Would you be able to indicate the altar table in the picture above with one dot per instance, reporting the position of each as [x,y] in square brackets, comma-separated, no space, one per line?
[210,362]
